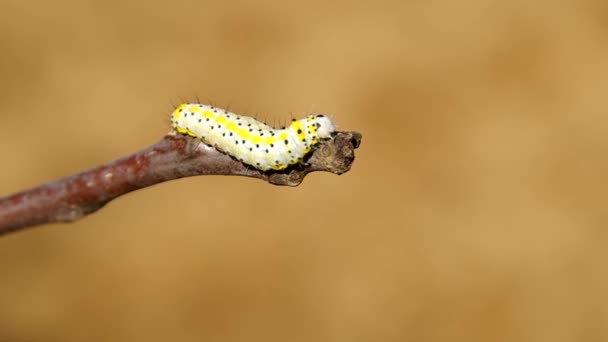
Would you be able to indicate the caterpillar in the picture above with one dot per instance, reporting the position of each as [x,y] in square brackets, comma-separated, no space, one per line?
[248,140]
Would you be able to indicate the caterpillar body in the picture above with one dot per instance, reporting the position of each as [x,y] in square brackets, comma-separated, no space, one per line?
[248,140]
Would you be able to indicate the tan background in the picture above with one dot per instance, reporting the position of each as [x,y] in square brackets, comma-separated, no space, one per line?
[475,211]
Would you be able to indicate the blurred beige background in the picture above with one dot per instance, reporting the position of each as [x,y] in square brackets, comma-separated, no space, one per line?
[475,210]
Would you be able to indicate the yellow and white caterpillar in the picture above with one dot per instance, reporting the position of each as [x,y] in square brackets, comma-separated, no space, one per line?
[248,140]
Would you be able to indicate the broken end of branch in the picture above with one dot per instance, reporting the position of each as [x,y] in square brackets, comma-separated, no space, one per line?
[335,155]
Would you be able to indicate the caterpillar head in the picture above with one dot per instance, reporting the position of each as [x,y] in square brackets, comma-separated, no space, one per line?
[324,126]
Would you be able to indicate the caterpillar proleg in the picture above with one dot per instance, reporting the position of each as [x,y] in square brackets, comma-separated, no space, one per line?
[248,140]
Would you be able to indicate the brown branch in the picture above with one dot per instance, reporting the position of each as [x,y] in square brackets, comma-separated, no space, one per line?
[174,156]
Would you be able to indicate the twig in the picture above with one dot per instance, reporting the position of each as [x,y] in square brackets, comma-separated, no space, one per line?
[174,156]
